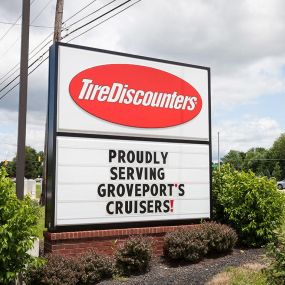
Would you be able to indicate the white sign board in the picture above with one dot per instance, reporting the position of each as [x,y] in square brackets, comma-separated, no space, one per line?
[99,181]
[128,140]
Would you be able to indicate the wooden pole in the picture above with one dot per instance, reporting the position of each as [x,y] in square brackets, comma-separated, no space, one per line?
[56,38]
[20,170]
[58,21]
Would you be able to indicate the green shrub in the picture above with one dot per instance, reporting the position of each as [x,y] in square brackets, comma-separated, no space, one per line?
[33,273]
[90,268]
[57,270]
[221,238]
[275,273]
[185,245]
[95,267]
[134,256]
[251,205]
[18,230]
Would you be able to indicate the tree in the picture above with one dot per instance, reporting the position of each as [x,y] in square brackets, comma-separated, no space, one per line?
[278,153]
[259,160]
[18,230]
[33,164]
[256,161]
[277,172]
[235,159]
[10,167]
[252,205]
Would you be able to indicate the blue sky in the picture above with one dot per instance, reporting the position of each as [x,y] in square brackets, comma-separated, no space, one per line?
[242,41]
[263,107]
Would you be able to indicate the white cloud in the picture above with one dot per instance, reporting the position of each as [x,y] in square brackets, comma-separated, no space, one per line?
[246,85]
[223,34]
[242,42]
[244,134]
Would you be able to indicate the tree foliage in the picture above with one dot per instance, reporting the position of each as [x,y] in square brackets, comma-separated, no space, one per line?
[263,162]
[33,164]
[278,152]
[235,158]
[277,171]
[252,205]
[18,229]
[275,272]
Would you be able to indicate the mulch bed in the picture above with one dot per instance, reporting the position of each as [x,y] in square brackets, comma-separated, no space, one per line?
[163,273]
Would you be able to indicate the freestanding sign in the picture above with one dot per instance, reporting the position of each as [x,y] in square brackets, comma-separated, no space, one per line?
[128,140]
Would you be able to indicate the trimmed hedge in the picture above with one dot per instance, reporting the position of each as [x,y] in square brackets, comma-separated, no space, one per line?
[134,256]
[193,245]
[56,270]
[95,267]
[90,268]
[221,238]
[185,245]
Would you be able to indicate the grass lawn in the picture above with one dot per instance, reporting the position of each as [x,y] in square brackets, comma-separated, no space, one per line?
[38,191]
[41,224]
[248,274]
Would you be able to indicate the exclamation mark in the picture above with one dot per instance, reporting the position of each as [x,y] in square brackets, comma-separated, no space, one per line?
[171,205]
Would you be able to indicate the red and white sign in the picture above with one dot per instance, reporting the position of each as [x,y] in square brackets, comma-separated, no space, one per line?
[104,93]
[124,94]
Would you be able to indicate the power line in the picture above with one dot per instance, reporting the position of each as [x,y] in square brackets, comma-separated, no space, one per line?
[48,36]
[68,41]
[13,24]
[97,18]
[43,9]
[34,26]
[33,2]
[11,27]
[266,159]
[19,75]
[102,21]
[5,52]
[15,68]
[72,16]
[7,85]
[9,48]
[80,20]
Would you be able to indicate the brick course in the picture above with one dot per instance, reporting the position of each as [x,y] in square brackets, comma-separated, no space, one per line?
[103,241]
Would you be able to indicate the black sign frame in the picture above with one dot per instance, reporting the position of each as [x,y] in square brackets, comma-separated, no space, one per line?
[52,134]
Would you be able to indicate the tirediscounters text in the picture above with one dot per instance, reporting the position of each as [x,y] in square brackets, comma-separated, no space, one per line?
[154,197]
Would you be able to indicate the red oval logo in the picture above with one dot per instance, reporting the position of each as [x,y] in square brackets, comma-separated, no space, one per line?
[135,96]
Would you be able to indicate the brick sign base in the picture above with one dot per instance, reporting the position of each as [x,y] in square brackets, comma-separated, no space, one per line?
[103,241]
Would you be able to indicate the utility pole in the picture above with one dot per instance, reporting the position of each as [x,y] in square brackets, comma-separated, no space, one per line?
[56,38]
[20,171]
[219,164]
[58,21]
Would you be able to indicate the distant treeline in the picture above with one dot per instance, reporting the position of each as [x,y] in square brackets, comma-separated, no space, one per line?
[33,165]
[263,162]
